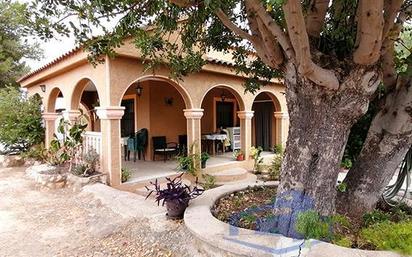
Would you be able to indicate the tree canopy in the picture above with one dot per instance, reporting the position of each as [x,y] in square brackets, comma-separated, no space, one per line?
[14,47]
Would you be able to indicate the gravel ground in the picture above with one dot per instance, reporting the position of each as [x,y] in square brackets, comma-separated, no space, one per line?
[106,222]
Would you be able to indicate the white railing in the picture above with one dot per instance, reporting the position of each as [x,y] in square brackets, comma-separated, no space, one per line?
[92,141]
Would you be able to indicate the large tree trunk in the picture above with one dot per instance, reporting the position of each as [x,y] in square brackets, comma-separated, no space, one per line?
[320,121]
[388,140]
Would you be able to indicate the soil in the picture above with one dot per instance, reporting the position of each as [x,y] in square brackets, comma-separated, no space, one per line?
[61,222]
[251,208]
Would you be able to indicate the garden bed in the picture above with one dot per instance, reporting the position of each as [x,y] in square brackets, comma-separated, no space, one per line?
[386,228]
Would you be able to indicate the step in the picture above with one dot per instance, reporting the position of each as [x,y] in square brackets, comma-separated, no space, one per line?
[229,175]
[143,191]
[250,178]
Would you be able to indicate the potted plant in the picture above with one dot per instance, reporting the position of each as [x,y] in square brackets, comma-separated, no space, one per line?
[175,195]
[203,158]
[238,154]
[255,153]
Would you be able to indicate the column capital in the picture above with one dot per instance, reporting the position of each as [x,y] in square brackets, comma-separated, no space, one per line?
[281,115]
[50,115]
[71,114]
[245,114]
[193,113]
[110,112]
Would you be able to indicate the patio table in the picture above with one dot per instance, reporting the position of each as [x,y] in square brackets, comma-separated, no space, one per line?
[213,138]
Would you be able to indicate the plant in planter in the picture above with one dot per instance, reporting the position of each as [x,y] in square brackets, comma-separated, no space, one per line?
[175,195]
[255,154]
[238,155]
[203,158]
[125,174]
[187,162]
[86,166]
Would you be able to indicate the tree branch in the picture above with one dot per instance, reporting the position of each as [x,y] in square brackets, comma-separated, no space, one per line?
[391,8]
[300,41]
[316,17]
[233,27]
[370,29]
[274,28]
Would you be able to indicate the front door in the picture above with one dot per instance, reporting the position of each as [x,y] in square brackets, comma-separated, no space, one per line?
[263,124]
[224,114]
[127,123]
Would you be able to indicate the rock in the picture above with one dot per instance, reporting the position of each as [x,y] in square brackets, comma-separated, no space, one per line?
[7,161]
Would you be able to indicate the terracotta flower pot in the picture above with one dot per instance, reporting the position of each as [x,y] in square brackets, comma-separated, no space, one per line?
[240,157]
[175,209]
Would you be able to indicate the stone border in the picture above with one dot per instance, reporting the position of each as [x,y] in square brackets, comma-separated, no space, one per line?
[47,176]
[221,239]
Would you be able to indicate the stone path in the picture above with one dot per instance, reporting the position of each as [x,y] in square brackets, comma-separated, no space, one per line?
[99,221]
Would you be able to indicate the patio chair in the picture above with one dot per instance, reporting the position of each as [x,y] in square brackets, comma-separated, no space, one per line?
[160,146]
[137,143]
[182,144]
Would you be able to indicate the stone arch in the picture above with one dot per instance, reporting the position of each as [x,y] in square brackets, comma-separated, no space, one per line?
[78,90]
[273,97]
[52,97]
[182,91]
[239,99]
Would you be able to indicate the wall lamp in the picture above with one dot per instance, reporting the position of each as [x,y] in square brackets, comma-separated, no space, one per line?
[43,88]
[139,90]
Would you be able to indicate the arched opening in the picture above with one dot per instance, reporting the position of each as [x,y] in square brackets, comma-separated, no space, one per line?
[264,133]
[220,124]
[55,101]
[85,97]
[153,127]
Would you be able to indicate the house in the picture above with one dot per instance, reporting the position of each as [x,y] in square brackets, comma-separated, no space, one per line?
[119,98]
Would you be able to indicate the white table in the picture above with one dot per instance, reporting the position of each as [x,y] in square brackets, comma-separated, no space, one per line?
[213,138]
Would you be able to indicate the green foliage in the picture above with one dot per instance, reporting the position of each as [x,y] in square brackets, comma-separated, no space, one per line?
[276,166]
[342,187]
[20,120]
[187,162]
[310,225]
[126,174]
[389,236]
[65,150]
[209,181]
[255,154]
[86,165]
[278,149]
[204,156]
[36,152]
[344,242]
[14,48]
[374,217]
[346,163]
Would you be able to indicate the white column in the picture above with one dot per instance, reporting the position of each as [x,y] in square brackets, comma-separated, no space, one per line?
[71,115]
[111,150]
[282,126]
[194,130]
[245,131]
[49,123]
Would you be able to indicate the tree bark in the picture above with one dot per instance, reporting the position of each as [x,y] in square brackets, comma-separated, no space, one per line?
[388,140]
[320,122]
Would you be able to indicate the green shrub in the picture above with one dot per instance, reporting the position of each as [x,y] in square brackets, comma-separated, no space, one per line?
[125,174]
[342,187]
[278,149]
[274,173]
[375,216]
[20,120]
[310,225]
[344,242]
[36,152]
[346,163]
[389,236]
[209,181]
